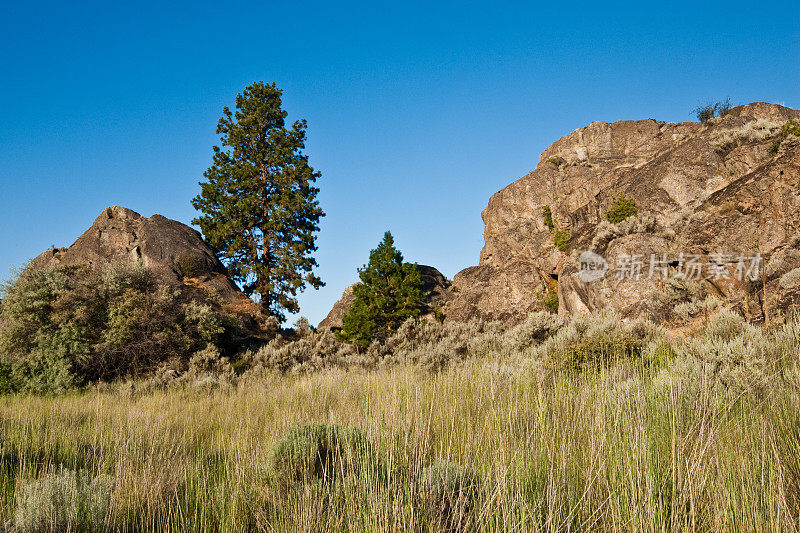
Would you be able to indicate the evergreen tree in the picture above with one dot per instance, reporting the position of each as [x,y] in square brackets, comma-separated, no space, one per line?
[390,292]
[259,205]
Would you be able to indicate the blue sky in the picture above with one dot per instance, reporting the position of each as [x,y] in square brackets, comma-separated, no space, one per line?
[417,113]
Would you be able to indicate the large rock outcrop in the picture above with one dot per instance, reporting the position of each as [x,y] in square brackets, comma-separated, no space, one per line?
[729,186]
[173,252]
[435,287]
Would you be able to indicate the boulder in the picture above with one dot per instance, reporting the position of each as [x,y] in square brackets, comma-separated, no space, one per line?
[173,252]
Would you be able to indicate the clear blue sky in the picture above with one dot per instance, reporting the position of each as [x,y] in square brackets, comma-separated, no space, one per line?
[417,113]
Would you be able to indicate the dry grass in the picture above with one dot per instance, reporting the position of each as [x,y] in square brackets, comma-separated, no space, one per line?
[500,440]
[755,130]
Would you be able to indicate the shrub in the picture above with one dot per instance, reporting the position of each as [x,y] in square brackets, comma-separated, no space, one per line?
[681,298]
[741,358]
[64,501]
[320,452]
[790,127]
[547,216]
[755,130]
[791,279]
[607,232]
[591,343]
[561,239]
[706,112]
[63,327]
[190,265]
[725,326]
[598,351]
[550,300]
[558,161]
[448,496]
[209,361]
[536,328]
[622,208]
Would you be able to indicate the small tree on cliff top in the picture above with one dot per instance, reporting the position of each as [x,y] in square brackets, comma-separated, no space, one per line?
[390,292]
[259,205]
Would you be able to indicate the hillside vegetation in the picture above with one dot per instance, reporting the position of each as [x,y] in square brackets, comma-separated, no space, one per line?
[580,425]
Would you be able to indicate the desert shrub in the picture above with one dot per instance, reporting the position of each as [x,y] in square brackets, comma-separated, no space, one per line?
[208,369]
[725,326]
[536,328]
[302,326]
[549,300]
[64,501]
[561,239]
[597,351]
[320,452]
[448,496]
[696,306]
[607,231]
[209,324]
[621,208]
[432,346]
[791,279]
[755,130]
[63,327]
[190,265]
[739,358]
[558,161]
[591,343]
[547,217]
[44,333]
[659,353]
[680,298]
[429,345]
[706,112]
[310,352]
[789,128]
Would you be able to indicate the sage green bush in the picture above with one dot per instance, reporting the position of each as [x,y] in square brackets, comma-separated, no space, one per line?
[320,452]
[63,501]
[448,496]
[66,326]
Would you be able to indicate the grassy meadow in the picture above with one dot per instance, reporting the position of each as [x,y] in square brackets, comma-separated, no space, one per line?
[681,434]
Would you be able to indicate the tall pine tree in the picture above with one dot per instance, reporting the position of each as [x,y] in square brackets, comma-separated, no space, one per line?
[389,293]
[259,205]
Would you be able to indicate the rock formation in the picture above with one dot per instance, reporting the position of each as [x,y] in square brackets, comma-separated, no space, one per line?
[729,187]
[434,285]
[173,252]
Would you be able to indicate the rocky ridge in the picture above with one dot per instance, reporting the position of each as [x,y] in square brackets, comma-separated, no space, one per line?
[728,187]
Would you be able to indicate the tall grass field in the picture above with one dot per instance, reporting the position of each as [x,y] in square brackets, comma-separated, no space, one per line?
[590,425]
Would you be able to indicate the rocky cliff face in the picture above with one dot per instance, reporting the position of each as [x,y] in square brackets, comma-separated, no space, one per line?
[727,187]
[173,252]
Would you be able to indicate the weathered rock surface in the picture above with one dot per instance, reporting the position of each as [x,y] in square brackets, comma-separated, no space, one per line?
[434,285]
[173,252]
[719,187]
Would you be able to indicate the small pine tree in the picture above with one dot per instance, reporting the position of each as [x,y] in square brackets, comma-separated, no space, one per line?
[622,208]
[390,292]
